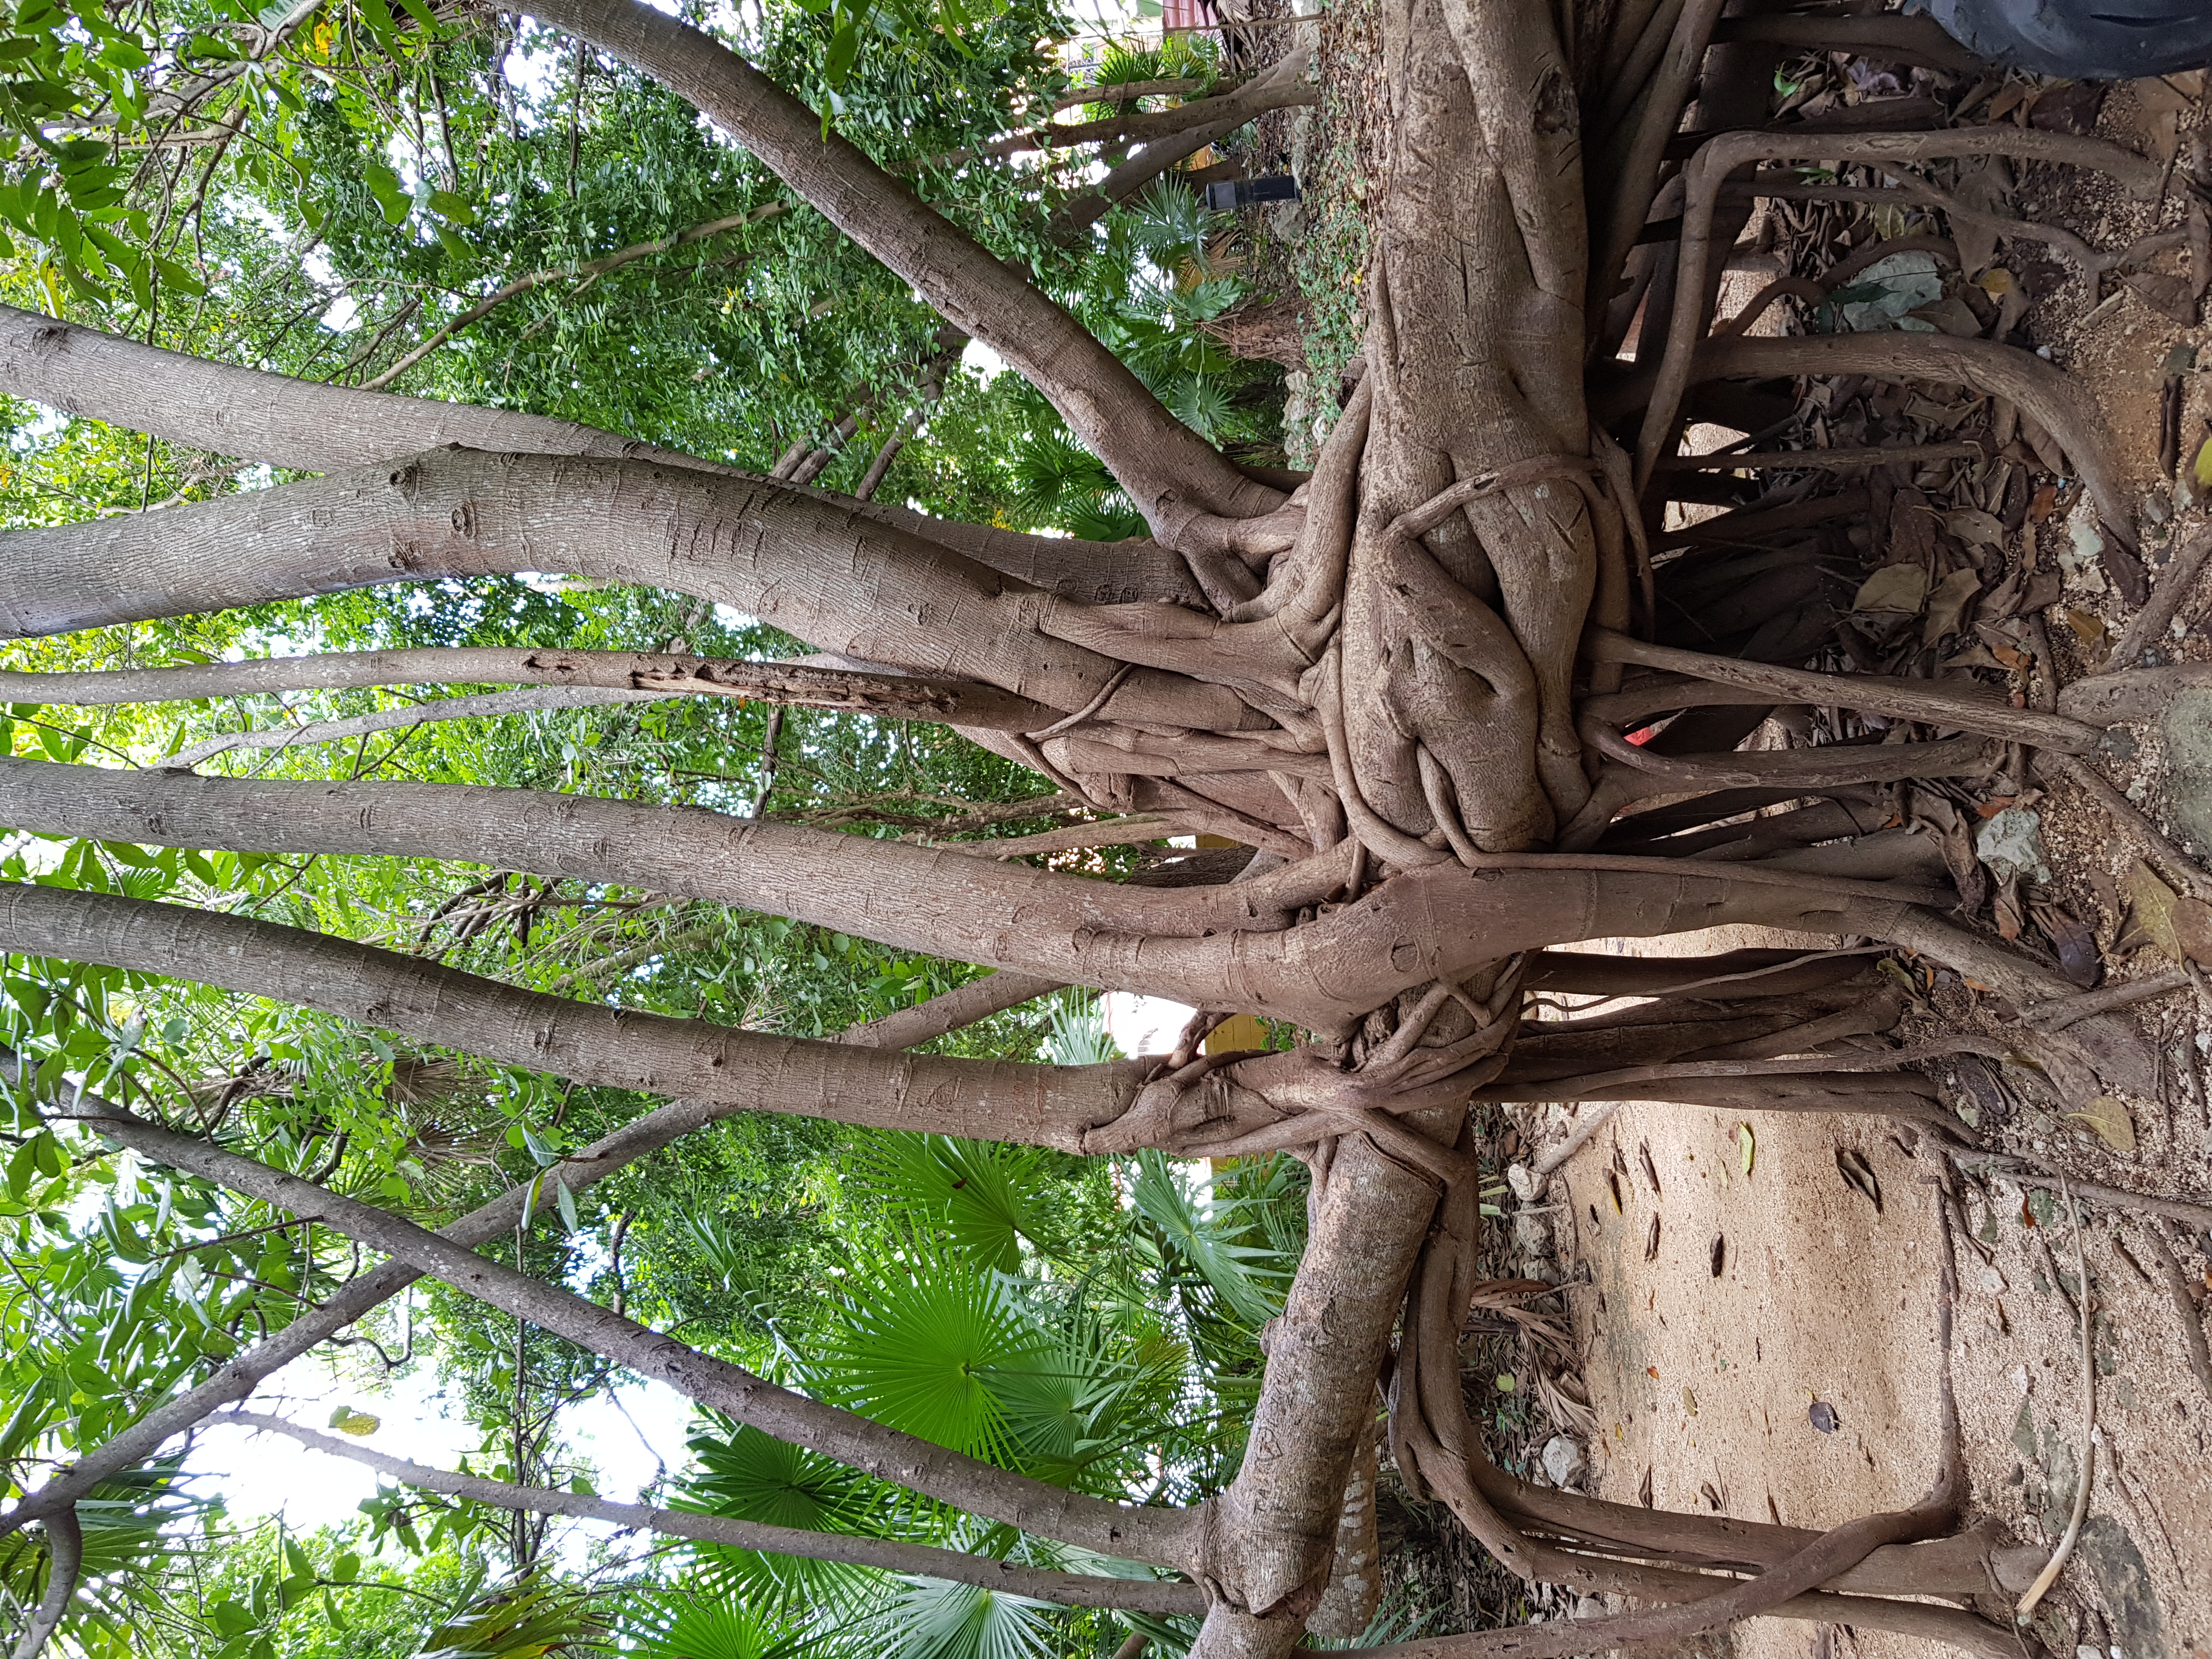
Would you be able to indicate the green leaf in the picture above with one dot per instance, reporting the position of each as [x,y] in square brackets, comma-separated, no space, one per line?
[566,1201]
[454,209]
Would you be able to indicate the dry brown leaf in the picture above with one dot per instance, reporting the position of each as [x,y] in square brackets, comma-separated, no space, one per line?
[1902,588]
[2087,627]
[2152,905]
[1947,605]
[2191,919]
[2107,1115]
[1997,282]
[1972,526]
[2174,298]
[2162,106]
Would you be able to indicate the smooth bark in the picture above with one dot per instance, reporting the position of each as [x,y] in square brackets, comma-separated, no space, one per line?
[615,1048]
[308,426]
[1159,1537]
[65,1564]
[1174,476]
[1153,1595]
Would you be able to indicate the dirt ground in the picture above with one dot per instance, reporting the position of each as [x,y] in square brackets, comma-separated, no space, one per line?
[1708,1386]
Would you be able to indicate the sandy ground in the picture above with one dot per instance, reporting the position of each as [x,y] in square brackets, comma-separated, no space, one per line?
[1706,1383]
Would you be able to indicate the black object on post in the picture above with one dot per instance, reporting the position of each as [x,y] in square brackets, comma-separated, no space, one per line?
[2082,39]
[1247,192]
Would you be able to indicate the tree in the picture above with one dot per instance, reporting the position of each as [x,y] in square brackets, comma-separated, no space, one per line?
[1407,684]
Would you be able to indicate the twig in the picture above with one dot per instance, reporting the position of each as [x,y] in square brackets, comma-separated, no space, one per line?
[1588,1126]
[593,269]
[2150,622]
[2060,1013]
[2177,865]
[2119,1198]
[2192,1323]
[2056,1564]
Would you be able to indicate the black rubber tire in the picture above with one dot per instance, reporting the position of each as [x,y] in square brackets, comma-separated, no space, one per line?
[2083,39]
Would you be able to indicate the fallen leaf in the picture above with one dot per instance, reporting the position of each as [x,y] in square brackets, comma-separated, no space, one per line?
[2107,1114]
[1651,1371]
[1748,1145]
[2151,913]
[1612,1190]
[1997,282]
[1859,1175]
[1720,1253]
[1650,1168]
[1902,588]
[1947,605]
[1506,1382]
[2191,918]
[1651,1239]
[2069,107]
[2203,466]
[2070,937]
[1705,1487]
[2044,502]
[1689,1401]
[2174,298]
[1822,1416]
[2161,108]
[1644,1492]
[1972,526]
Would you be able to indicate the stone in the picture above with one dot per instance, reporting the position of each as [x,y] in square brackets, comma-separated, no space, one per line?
[2187,729]
[1528,1186]
[2138,1625]
[1563,1460]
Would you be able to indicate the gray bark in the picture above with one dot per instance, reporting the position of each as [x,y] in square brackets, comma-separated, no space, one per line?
[299,424]
[616,1047]
[885,1554]
[1175,476]
[627,673]
[1159,1537]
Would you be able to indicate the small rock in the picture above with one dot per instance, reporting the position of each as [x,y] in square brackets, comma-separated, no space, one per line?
[1528,1186]
[2011,843]
[1588,1606]
[1988,1281]
[1563,1462]
[1822,1416]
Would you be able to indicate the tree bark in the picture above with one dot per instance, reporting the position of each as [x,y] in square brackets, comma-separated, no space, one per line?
[1164,1598]
[738,1070]
[304,425]
[886,696]
[1160,1537]
[65,1563]
[1177,480]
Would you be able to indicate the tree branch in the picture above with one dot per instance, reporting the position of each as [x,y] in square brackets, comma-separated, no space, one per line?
[238,1377]
[1160,1537]
[1174,476]
[65,1544]
[884,1554]
[309,425]
[623,673]
[946,902]
[593,268]
[948,1010]
[614,1047]
[486,706]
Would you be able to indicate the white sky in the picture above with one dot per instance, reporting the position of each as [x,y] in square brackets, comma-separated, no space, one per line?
[261,1475]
